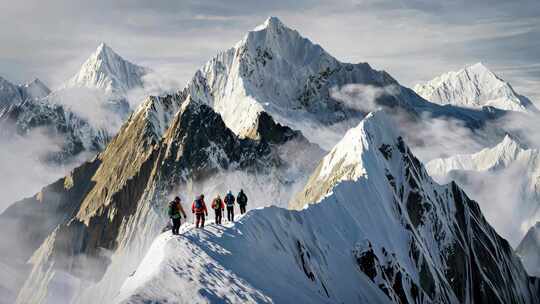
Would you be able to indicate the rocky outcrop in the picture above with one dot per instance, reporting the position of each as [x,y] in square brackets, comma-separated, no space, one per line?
[456,255]
[141,166]
[529,251]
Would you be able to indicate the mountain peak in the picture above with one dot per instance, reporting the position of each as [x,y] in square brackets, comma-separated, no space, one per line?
[35,89]
[107,70]
[477,66]
[474,86]
[270,22]
[103,51]
[509,140]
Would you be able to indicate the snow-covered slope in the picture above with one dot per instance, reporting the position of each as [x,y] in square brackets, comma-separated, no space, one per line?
[35,89]
[73,133]
[169,143]
[13,94]
[9,94]
[377,229]
[85,112]
[529,250]
[492,158]
[275,70]
[504,179]
[474,86]
[108,71]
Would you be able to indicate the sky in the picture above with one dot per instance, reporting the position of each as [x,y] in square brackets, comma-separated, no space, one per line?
[413,40]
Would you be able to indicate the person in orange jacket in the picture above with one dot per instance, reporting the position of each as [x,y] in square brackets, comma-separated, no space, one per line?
[219,207]
[199,209]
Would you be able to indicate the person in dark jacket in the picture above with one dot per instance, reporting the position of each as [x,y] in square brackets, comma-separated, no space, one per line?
[229,202]
[199,209]
[175,214]
[242,201]
[219,207]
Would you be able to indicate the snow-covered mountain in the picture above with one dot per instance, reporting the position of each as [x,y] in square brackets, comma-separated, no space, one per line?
[73,133]
[275,70]
[244,121]
[35,89]
[172,143]
[371,227]
[13,94]
[529,250]
[108,71]
[504,179]
[85,112]
[474,86]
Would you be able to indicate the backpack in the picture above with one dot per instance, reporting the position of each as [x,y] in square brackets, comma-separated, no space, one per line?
[198,204]
[173,210]
[217,204]
[242,198]
[229,199]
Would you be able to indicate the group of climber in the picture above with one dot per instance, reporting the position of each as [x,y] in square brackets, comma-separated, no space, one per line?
[198,208]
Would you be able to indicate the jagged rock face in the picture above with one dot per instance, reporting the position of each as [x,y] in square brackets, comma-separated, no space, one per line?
[487,175]
[35,89]
[455,254]
[12,94]
[383,232]
[9,94]
[76,133]
[474,86]
[153,154]
[27,223]
[275,71]
[50,207]
[529,250]
[104,79]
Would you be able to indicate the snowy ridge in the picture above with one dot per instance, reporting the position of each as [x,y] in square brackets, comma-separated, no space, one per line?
[529,250]
[274,69]
[106,70]
[506,152]
[85,112]
[12,94]
[474,86]
[77,134]
[9,94]
[504,179]
[127,197]
[35,89]
[386,233]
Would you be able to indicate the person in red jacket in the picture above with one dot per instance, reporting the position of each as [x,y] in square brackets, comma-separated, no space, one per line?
[200,211]
[219,207]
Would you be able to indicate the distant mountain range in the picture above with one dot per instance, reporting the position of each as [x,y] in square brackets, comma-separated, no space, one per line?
[100,86]
[365,221]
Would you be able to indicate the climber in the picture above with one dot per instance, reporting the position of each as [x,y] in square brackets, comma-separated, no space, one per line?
[175,213]
[200,211]
[218,206]
[242,201]
[229,201]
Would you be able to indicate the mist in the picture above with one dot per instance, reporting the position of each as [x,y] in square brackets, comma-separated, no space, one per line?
[23,169]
